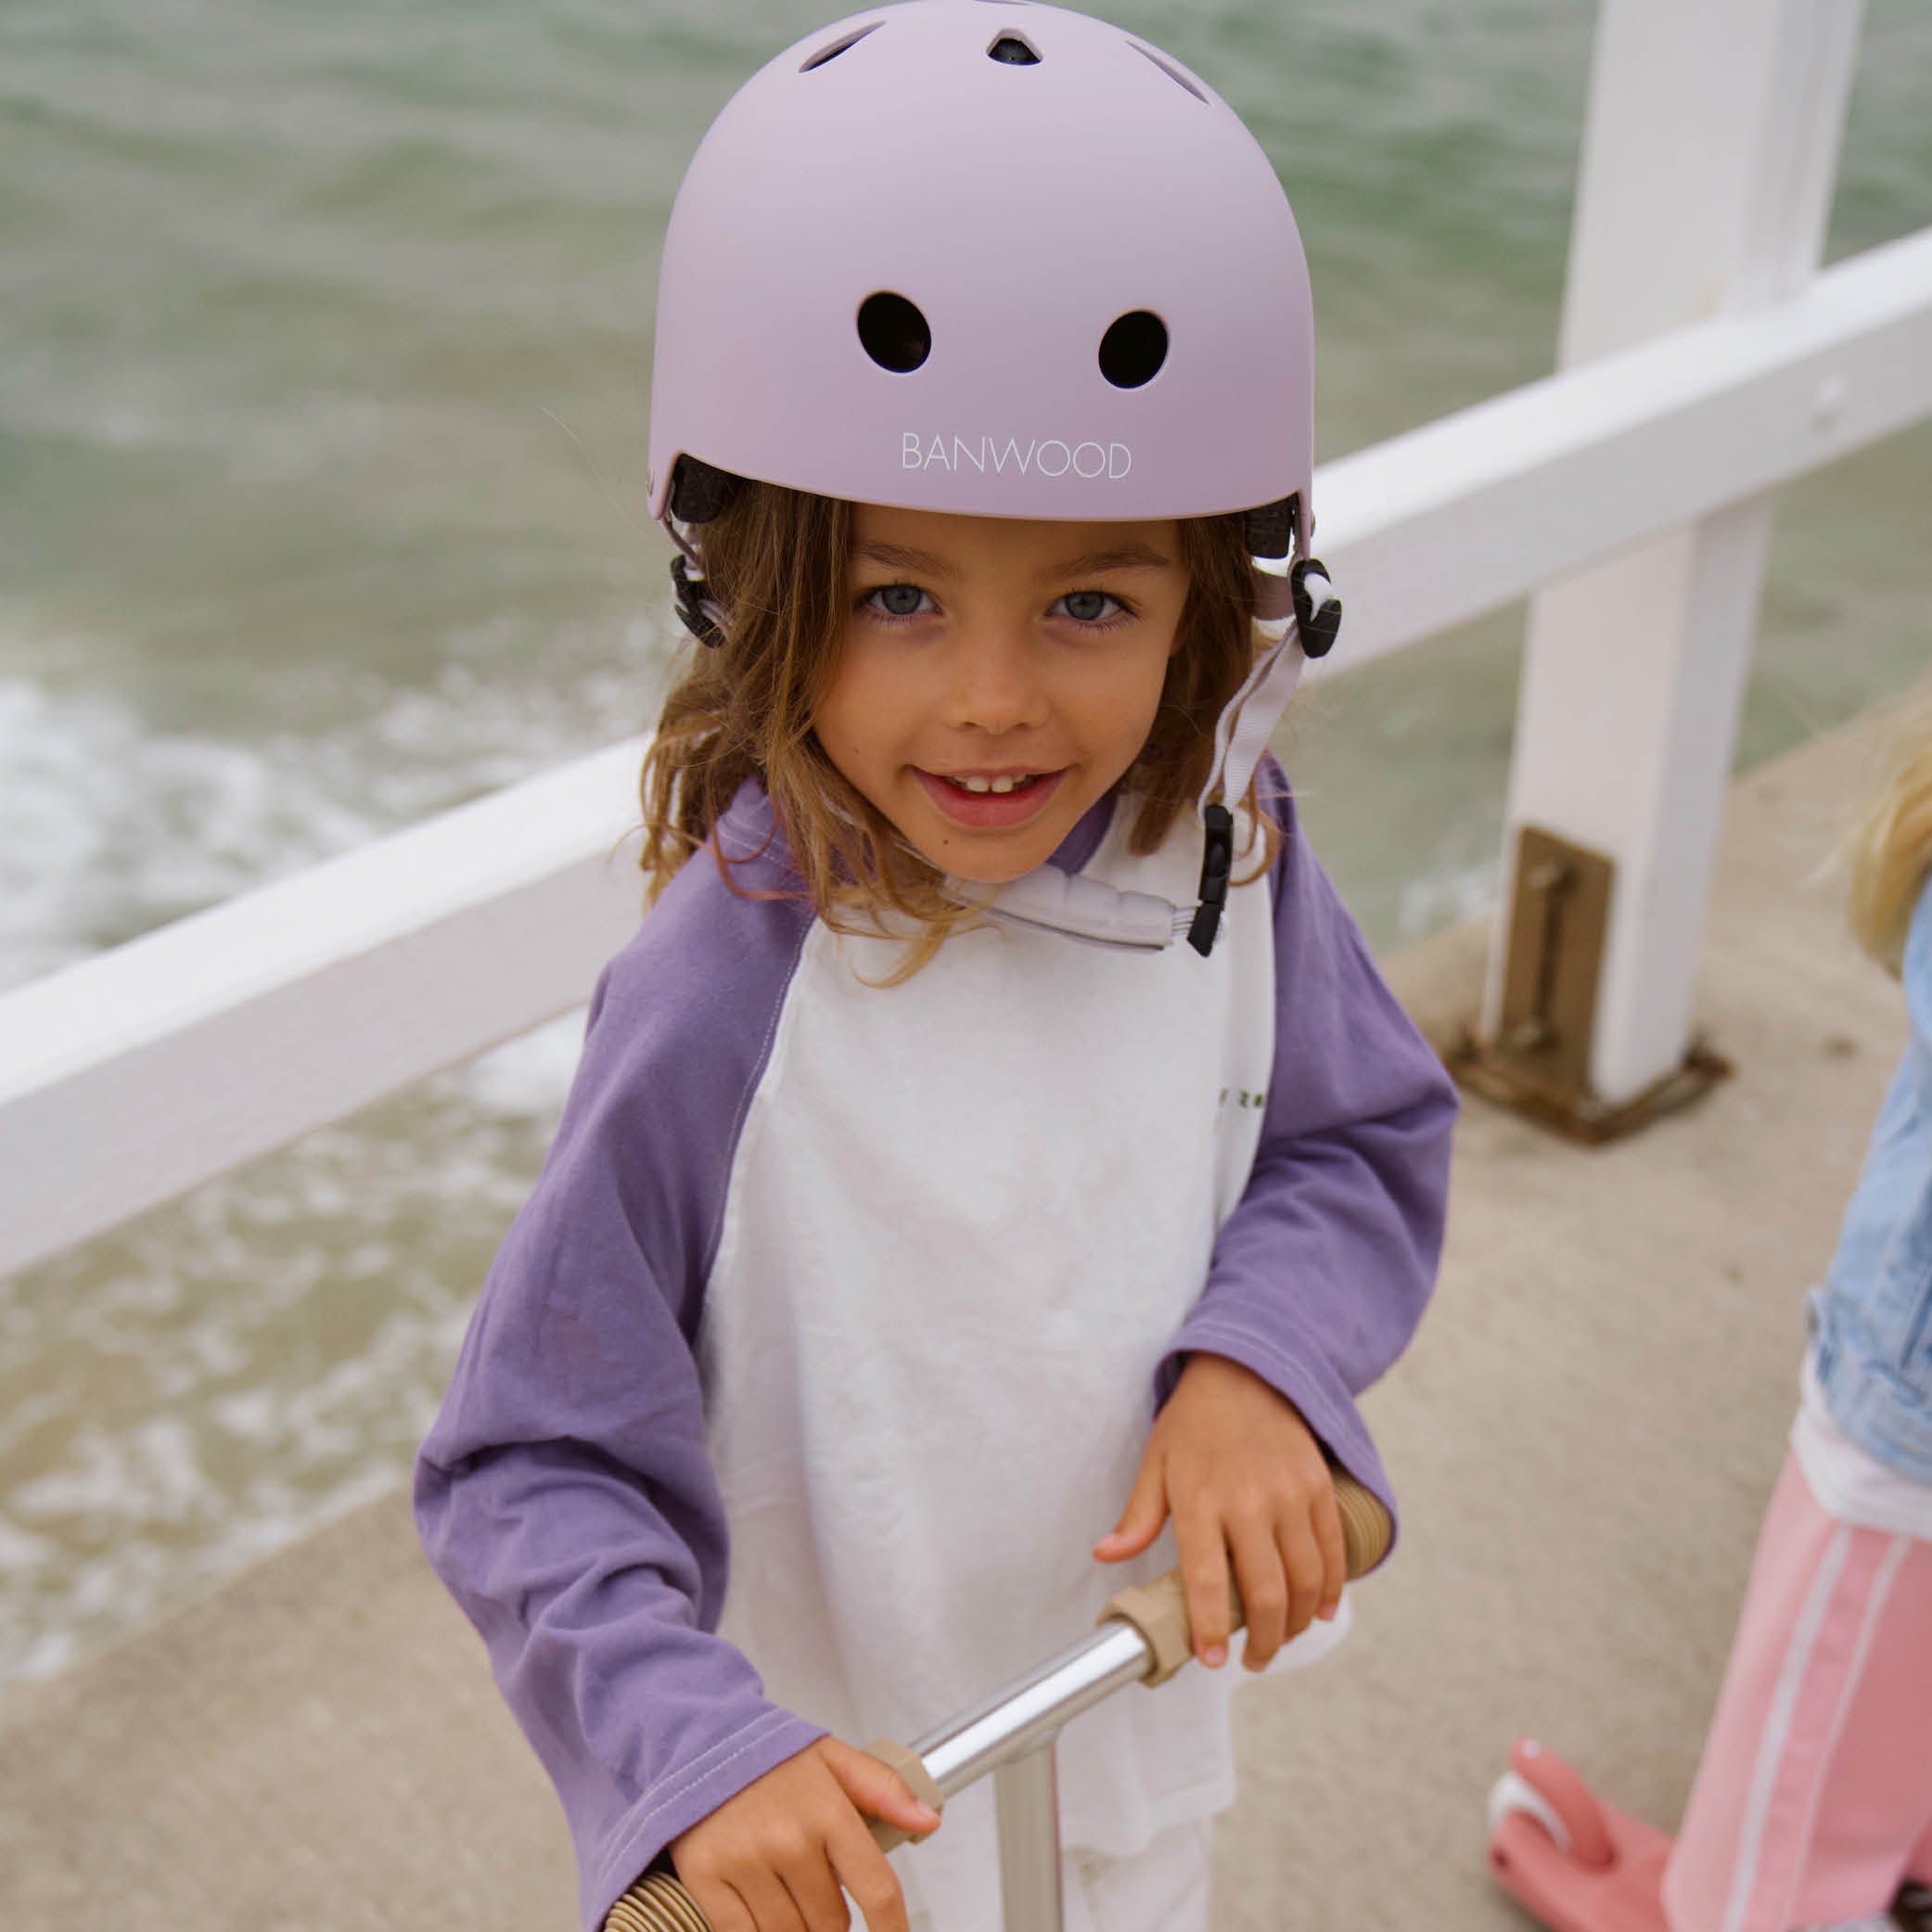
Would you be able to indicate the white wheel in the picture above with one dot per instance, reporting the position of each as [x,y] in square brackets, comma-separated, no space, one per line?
[1512,1794]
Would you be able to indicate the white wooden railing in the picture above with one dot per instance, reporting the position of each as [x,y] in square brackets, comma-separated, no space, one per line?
[129,1078]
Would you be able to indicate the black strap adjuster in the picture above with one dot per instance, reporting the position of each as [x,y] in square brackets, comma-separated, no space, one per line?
[691,605]
[1318,611]
[1217,869]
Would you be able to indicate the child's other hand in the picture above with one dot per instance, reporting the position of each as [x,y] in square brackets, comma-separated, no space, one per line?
[773,1858]
[1242,1475]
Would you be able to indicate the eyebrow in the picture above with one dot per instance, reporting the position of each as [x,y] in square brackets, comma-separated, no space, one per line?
[1090,563]
[1129,556]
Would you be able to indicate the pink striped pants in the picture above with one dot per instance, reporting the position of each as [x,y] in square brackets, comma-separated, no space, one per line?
[1814,1796]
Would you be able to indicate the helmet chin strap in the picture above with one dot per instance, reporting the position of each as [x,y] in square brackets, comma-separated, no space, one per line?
[1297,615]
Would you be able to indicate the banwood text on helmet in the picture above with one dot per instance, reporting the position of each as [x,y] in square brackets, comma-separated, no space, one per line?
[999,259]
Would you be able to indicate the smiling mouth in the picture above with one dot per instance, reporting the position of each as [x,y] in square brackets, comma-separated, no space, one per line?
[979,782]
[990,801]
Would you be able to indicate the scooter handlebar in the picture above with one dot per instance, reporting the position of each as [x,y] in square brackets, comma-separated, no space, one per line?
[1158,1610]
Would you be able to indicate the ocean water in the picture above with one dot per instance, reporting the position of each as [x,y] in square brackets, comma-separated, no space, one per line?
[323,378]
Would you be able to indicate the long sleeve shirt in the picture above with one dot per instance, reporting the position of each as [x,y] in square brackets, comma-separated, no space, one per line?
[829,1339]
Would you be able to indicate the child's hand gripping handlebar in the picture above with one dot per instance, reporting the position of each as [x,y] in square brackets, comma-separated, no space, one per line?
[1158,1610]
[1144,1638]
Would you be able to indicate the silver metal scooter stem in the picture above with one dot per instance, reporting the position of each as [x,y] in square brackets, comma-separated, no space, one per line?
[1012,1733]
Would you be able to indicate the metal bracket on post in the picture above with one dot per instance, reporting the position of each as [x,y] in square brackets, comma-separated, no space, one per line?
[1538,1060]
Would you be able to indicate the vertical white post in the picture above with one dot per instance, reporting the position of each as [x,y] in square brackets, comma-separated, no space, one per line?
[1710,155]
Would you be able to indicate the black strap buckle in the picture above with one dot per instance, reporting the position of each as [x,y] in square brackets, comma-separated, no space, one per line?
[692,607]
[1318,611]
[1217,869]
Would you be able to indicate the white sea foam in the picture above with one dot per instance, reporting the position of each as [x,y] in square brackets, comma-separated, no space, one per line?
[150,1472]
[113,828]
[21,1550]
[531,1075]
[1443,896]
[214,1380]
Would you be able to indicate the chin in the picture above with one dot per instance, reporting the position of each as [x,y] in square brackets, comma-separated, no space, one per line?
[991,869]
[991,875]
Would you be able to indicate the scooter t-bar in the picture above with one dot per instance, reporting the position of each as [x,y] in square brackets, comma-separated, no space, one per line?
[1143,1638]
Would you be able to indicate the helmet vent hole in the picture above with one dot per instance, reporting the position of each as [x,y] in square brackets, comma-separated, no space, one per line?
[1013,51]
[1133,349]
[894,333]
[1169,69]
[842,44]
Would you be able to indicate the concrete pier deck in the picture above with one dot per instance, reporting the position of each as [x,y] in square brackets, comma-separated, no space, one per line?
[1584,1436]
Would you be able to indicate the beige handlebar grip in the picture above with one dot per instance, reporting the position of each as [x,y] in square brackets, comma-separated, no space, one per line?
[655,1904]
[912,1768]
[659,1903]
[1158,1610]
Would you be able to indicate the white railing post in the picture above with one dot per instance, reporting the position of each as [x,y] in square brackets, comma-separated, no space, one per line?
[1708,160]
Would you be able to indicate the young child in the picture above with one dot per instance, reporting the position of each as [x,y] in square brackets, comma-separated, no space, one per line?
[1813,1800]
[1811,1809]
[997,1130]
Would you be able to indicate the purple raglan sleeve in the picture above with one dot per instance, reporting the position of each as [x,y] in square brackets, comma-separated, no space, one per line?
[1320,1273]
[564,1495]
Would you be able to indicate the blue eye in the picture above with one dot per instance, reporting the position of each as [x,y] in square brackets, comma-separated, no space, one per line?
[1090,606]
[899,600]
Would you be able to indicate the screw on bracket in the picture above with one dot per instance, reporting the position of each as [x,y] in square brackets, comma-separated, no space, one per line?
[1550,881]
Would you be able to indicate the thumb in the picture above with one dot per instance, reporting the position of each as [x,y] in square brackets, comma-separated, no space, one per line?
[1141,1520]
[877,1789]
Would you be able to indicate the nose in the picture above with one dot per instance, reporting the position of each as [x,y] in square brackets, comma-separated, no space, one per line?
[997,685]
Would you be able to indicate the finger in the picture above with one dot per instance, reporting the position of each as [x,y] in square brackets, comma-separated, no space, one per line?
[813,1886]
[1262,1578]
[877,1789]
[1327,1517]
[767,1898]
[862,1871]
[724,1910]
[1302,1559]
[1140,1521]
[1204,1575]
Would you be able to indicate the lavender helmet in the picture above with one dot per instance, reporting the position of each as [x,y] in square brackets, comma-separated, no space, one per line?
[992,258]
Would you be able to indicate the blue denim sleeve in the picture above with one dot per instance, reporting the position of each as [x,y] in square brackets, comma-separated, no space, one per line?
[1870,1322]
[1917,978]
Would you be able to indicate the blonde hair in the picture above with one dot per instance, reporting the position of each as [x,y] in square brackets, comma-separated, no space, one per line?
[1891,850]
[775,561]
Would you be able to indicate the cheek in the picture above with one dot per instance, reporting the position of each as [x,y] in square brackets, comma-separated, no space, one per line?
[854,717]
[835,703]
[1115,714]
[1141,703]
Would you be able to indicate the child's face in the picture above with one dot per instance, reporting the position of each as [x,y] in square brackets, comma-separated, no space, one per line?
[992,648]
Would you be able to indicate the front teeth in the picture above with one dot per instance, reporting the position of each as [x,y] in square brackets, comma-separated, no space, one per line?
[1000,784]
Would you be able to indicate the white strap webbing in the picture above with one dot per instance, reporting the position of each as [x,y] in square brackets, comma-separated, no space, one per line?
[1242,732]
[1087,909]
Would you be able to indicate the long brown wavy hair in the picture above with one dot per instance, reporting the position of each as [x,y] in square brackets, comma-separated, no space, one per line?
[776,562]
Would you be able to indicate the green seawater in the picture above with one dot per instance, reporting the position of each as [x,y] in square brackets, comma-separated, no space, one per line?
[325,349]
